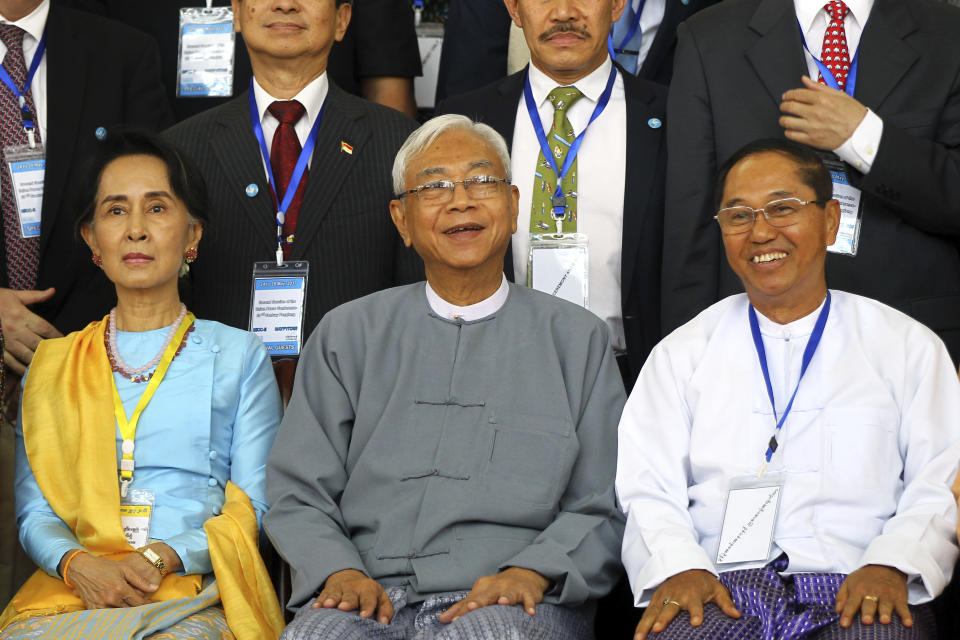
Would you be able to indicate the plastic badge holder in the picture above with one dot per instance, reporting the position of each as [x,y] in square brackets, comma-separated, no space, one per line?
[205,60]
[278,298]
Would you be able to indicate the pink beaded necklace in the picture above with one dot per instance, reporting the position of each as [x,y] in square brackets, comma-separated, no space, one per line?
[137,374]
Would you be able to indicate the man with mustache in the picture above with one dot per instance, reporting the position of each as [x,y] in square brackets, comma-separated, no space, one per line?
[335,217]
[612,189]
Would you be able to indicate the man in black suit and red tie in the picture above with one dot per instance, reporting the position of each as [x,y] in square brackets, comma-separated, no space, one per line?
[89,75]
[334,205]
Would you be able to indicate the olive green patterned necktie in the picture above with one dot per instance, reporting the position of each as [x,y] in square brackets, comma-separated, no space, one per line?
[559,139]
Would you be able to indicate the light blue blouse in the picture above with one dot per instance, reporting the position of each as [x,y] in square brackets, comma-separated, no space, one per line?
[212,419]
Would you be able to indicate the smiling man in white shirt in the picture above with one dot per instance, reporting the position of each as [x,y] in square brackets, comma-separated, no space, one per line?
[785,457]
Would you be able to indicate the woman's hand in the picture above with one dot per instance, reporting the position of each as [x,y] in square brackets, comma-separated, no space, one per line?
[103,583]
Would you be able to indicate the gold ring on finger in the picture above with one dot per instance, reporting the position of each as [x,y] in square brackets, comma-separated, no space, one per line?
[667,601]
[874,598]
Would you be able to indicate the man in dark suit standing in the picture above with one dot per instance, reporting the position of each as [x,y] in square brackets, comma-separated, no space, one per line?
[337,218]
[619,169]
[92,73]
[896,141]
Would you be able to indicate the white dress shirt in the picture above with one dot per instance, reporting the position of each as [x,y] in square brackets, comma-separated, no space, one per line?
[601,167]
[34,23]
[311,97]
[486,307]
[867,454]
[860,149]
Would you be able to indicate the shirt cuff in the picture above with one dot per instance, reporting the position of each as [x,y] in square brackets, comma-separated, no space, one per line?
[668,561]
[924,578]
[860,149]
[194,552]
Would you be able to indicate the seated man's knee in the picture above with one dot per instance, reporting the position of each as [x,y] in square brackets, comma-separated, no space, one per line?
[499,622]
[330,624]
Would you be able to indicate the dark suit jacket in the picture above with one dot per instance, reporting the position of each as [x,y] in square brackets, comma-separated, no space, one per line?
[344,228]
[99,73]
[658,65]
[733,63]
[496,105]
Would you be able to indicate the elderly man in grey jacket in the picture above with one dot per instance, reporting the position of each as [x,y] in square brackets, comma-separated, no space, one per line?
[445,467]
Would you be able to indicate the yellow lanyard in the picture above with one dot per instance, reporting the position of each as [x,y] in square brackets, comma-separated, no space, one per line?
[128,429]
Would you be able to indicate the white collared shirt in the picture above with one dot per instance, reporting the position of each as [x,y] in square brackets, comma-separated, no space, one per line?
[486,307]
[860,149]
[311,97]
[866,456]
[601,169]
[34,23]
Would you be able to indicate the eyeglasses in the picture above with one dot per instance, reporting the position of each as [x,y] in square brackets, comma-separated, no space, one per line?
[441,191]
[778,213]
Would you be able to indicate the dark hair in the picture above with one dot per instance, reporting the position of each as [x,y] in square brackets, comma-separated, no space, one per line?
[184,176]
[810,166]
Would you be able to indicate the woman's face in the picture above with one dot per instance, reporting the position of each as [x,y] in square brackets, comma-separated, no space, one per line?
[140,228]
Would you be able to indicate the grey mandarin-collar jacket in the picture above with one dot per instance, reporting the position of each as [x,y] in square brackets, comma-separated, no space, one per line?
[428,453]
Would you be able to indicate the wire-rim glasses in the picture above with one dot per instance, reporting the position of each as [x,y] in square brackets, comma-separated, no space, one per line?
[782,212]
[441,191]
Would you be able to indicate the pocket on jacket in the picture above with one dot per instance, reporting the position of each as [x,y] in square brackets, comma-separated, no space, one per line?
[530,457]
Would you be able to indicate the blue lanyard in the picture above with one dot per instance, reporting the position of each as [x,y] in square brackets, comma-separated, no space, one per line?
[828,76]
[630,32]
[26,116]
[811,348]
[298,170]
[559,210]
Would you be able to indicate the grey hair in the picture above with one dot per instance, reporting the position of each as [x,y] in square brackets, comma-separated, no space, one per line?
[428,132]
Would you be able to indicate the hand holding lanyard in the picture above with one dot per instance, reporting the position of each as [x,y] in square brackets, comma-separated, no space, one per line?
[827,74]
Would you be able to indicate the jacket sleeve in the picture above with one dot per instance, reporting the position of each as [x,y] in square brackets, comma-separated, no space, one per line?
[578,552]
[145,102]
[691,239]
[920,538]
[653,471]
[919,177]
[306,472]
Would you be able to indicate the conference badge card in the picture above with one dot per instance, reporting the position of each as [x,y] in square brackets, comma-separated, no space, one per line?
[27,166]
[277,302]
[205,63]
[748,523]
[557,264]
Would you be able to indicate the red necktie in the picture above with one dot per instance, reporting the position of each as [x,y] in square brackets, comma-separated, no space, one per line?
[284,153]
[834,53]
[23,254]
